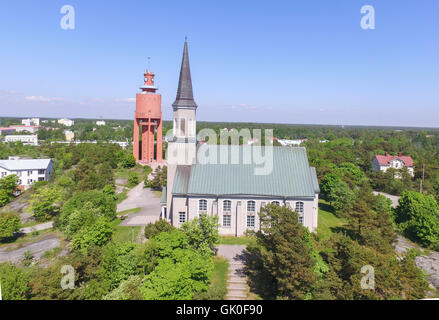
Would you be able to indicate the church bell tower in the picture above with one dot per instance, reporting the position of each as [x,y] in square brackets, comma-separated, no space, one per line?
[182,145]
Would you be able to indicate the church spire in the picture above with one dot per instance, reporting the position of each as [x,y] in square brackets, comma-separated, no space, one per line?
[185,97]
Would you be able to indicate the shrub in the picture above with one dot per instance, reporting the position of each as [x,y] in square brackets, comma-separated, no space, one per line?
[46,202]
[14,282]
[9,224]
[154,229]
[417,216]
[128,161]
[102,204]
[98,234]
[133,178]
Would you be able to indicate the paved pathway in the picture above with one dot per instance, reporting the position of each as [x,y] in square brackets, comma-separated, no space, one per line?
[144,198]
[38,227]
[236,283]
[394,199]
[37,249]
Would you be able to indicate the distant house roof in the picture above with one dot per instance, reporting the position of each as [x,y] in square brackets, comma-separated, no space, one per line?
[25,164]
[385,160]
[291,176]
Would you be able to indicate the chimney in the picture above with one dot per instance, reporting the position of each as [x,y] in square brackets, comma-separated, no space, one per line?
[387,154]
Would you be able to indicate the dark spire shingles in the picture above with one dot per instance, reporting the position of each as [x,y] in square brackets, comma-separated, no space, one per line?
[185,97]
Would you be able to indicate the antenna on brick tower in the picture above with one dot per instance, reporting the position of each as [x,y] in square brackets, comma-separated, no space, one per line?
[148,64]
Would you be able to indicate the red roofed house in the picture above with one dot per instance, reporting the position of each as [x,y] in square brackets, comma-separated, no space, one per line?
[396,162]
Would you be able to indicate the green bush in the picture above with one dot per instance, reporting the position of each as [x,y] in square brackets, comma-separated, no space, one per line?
[45,202]
[154,229]
[103,205]
[417,216]
[128,161]
[14,282]
[98,234]
[9,224]
[133,178]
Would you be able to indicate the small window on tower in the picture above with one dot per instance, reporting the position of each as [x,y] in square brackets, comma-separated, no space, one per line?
[183,127]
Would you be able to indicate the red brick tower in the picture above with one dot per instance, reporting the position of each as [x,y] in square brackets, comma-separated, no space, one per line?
[148,122]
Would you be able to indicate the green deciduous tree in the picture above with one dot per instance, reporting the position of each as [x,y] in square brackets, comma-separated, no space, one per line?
[100,203]
[97,234]
[154,229]
[282,253]
[329,181]
[202,233]
[46,202]
[9,224]
[14,282]
[417,215]
[175,270]
[128,161]
[133,178]
[8,185]
[341,197]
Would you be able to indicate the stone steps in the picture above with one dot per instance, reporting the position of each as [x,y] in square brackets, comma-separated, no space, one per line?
[237,294]
[236,279]
[236,286]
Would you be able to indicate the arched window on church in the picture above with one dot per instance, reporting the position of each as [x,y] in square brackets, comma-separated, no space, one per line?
[227,206]
[251,206]
[299,207]
[299,210]
[202,206]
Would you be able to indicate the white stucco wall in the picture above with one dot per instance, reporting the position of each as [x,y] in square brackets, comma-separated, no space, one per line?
[238,213]
[29,176]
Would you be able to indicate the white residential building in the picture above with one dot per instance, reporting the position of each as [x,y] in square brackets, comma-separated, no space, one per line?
[21,128]
[383,163]
[66,122]
[28,171]
[100,123]
[25,139]
[31,122]
[286,142]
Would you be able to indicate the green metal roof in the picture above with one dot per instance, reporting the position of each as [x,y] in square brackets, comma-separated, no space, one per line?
[181,180]
[314,179]
[291,176]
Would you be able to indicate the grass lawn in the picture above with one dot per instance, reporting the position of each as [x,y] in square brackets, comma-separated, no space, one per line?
[129,211]
[122,173]
[327,222]
[236,240]
[122,196]
[219,275]
[124,233]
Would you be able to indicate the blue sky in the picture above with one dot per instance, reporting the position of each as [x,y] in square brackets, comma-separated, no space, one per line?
[256,61]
